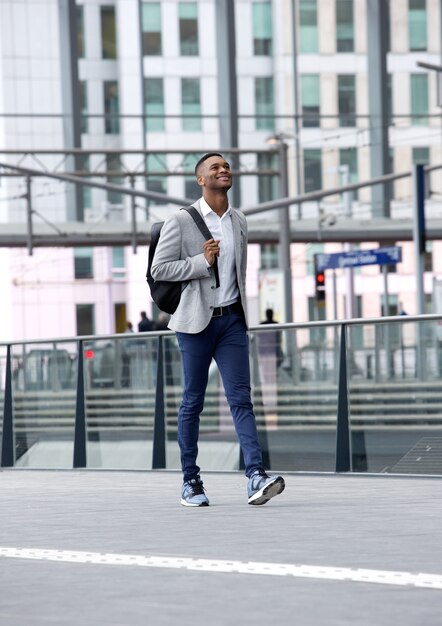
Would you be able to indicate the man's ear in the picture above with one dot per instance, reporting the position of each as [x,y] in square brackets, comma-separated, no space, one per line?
[200,180]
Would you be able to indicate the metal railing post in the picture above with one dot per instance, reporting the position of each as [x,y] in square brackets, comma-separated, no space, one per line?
[80,414]
[343,448]
[7,459]
[159,427]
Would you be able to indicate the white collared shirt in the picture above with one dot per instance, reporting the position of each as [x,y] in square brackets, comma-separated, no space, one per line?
[221,228]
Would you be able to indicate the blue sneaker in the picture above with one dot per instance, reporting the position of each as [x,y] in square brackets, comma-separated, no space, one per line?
[262,488]
[192,493]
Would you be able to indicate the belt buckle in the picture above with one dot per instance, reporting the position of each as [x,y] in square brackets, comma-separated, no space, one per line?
[220,308]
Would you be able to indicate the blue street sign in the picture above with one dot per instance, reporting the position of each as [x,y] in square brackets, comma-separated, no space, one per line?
[356,258]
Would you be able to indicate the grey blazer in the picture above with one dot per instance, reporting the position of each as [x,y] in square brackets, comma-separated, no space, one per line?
[179,257]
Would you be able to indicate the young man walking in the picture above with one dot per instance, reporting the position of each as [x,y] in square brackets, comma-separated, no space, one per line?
[210,323]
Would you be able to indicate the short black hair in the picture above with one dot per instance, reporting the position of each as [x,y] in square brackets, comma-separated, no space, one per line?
[206,156]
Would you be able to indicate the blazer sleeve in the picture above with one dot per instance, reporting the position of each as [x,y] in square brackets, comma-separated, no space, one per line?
[168,262]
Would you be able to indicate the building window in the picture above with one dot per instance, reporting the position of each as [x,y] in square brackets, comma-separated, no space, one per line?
[154,104]
[151,27]
[191,103]
[83,263]
[419,99]
[262,28]
[118,263]
[156,163]
[308,26]
[82,85]
[80,32]
[417,24]
[389,99]
[310,99]
[312,170]
[269,256]
[344,26]
[113,164]
[348,157]
[264,104]
[87,191]
[111,107]
[188,15]
[108,33]
[428,259]
[191,188]
[85,316]
[347,100]
[310,251]
[267,183]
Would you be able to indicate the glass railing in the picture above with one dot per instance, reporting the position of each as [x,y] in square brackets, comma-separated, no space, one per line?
[360,395]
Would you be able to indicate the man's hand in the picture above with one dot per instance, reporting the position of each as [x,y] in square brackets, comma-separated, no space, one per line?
[211,250]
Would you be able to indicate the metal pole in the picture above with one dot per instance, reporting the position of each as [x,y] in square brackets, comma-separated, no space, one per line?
[7,456]
[29,213]
[80,413]
[133,216]
[296,103]
[343,447]
[284,234]
[419,251]
[387,326]
[350,307]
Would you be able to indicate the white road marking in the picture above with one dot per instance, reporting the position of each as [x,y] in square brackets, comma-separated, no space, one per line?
[383,577]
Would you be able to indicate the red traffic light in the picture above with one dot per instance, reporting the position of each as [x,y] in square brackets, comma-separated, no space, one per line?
[320,278]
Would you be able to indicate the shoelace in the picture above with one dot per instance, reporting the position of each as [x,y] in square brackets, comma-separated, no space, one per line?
[197,487]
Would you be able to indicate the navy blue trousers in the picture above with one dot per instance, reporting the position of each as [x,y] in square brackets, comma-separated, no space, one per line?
[225,340]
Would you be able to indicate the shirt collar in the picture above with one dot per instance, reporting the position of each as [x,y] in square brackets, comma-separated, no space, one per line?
[206,210]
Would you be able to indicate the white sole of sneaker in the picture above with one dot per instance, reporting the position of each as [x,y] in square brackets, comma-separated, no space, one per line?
[268,492]
[185,503]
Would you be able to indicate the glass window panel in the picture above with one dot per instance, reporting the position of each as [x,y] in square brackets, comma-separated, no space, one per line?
[264,103]
[118,259]
[262,28]
[83,263]
[108,33]
[191,103]
[82,84]
[417,24]
[308,26]
[312,170]
[80,32]
[349,157]
[111,107]
[113,164]
[154,104]
[269,256]
[310,99]
[188,15]
[151,27]
[419,99]
[85,318]
[87,191]
[347,99]
[267,184]
[344,26]
[156,163]
[191,187]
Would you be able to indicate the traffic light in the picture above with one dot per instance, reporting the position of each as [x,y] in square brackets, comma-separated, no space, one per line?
[320,286]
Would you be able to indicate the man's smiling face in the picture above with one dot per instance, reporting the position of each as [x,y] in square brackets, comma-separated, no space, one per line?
[215,174]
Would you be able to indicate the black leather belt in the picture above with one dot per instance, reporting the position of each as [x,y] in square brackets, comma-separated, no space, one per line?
[236,307]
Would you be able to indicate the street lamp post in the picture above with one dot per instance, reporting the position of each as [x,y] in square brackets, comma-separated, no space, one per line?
[284,232]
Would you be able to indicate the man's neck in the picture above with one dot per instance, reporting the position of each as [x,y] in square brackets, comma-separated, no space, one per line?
[218,202]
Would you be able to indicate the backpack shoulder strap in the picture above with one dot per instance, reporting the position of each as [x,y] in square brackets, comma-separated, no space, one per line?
[206,234]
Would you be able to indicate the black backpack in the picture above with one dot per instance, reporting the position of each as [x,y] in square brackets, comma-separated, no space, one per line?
[166,294]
